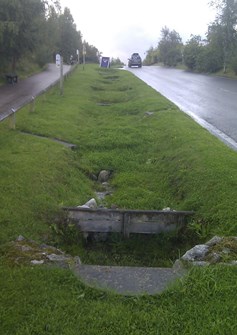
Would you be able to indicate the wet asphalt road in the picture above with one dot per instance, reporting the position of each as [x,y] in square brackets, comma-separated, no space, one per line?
[14,96]
[211,101]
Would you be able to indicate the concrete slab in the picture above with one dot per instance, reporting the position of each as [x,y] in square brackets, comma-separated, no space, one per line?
[128,280]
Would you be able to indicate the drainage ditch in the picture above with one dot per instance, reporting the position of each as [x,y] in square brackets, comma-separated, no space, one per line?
[111,248]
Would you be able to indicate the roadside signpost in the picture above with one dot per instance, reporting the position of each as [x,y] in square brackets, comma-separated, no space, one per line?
[58,60]
[59,64]
[105,62]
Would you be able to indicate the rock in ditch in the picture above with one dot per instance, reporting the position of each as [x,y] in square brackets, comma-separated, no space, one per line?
[89,204]
[196,253]
[103,176]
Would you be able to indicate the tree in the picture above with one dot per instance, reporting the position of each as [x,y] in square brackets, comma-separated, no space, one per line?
[92,53]
[69,38]
[37,30]
[59,35]
[223,29]
[191,51]
[20,22]
[116,62]
[208,60]
[49,36]
[52,5]
[170,47]
[201,56]
[151,56]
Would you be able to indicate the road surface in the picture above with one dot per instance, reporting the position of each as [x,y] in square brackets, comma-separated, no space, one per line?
[209,100]
[14,96]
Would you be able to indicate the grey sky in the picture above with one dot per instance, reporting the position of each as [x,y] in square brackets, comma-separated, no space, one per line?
[118,28]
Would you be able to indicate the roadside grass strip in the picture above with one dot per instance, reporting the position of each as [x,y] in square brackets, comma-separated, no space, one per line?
[159,157]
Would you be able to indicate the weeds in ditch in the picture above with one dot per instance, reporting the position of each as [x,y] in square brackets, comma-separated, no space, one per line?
[113,249]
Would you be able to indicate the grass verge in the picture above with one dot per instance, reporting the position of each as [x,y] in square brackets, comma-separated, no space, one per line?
[158,159]
[53,301]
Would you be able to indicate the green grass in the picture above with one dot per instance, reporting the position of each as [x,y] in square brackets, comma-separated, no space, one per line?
[229,73]
[37,176]
[52,301]
[156,161]
[165,160]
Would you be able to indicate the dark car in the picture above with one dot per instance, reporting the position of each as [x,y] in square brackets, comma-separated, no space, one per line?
[135,60]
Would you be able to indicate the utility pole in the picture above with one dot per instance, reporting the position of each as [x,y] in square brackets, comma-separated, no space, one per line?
[84,55]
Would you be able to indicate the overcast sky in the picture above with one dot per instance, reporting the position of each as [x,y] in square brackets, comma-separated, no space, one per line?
[119,28]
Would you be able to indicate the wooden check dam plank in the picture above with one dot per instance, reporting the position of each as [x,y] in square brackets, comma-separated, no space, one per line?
[126,221]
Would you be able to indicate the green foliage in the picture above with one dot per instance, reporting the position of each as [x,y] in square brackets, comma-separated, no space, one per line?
[207,60]
[116,62]
[170,47]
[198,229]
[222,33]
[37,29]
[65,233]
[226,21]
[20,21]
[209,55]
[215,39]
[152,56]
[191,52]
[233,64]
[201,57]
[69,40]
